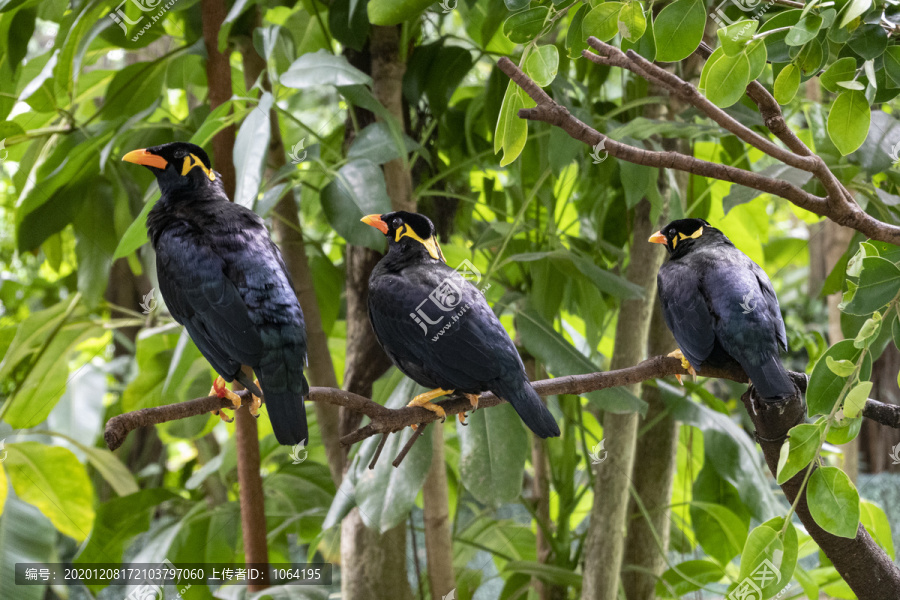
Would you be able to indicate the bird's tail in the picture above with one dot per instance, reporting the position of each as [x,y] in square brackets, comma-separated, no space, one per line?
[771,380]
[532,410]
[288,417]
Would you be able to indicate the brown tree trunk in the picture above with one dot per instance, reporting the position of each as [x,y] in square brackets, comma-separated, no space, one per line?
[655,462]
[253,517]
[605,543]
[438,543]
[541,491]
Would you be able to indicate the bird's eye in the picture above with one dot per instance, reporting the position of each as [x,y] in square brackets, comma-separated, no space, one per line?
[396,223]
[180,154]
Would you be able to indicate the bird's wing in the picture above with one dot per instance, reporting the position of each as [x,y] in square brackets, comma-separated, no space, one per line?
[428,343]
[686,311]
[748,322]
[771,301]
[200,296]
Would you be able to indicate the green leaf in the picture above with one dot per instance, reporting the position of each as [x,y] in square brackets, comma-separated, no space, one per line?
[869,41]
[892,63]
[879,282]
[386,494]
[833,502]
[548,573]
[841,368]
[735,37]
[134,88]
[52,479]
[377,143]
[524,26]
[848,121]
[251,149]
[825,386]
[603,21]
[805,30]
[561,358]
[32,333]
[357,190]
[136,234]
[492,450]
[727,80]
[720,532]
[843,69]
[851,85]
[868,331]
[118,522]
[542,64]
[46,381]
[512,132]
[323,68]
[856,399]
[853,9]
[766,552]
[876,523]
[843,430]
[787,83]
[688,576]
[394,12]
[679,29]
[25,536]
[632,22]
[799,450]
[575,38]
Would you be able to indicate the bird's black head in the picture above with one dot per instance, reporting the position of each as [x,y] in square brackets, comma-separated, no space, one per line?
[177,166]
[408,233]
[682,235]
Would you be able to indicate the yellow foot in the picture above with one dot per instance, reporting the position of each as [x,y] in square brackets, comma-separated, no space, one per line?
[220,389]
[255,402]
[425,401]
[684,364]
[473,400]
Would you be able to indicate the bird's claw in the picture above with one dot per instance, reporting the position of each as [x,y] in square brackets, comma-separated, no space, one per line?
[255,402]
[220,390]
[685,364]
[425,401]
[473,400]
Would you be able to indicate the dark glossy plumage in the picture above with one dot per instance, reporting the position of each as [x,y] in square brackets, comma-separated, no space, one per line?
[223,278]
[448,339]
[721,307]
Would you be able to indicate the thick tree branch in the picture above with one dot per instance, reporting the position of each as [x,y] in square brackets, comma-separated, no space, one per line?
[865,567]
[386,420]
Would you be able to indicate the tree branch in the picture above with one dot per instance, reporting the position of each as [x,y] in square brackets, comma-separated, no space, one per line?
[386,420]
[838,205]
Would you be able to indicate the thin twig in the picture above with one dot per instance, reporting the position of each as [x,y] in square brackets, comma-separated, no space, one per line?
[378,450]
[409,444]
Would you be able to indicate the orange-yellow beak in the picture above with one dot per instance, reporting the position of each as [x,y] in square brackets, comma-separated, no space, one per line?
[148,159]
[376,222]
[657,238]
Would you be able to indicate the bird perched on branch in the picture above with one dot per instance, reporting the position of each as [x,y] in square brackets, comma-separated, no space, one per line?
[721,307]
[436,326]
[223,278]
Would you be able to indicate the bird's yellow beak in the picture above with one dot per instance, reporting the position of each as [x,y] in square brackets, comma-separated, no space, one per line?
[146,158]
[376,222]
[657,238]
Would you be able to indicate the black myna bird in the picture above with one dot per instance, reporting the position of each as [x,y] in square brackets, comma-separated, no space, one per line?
[721,307]
[223,278]
[438,328]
